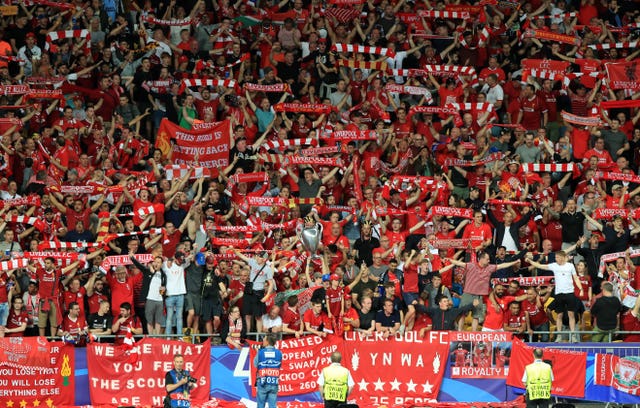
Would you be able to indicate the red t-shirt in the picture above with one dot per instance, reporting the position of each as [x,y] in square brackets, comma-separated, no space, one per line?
[48,283]
[122,292]
[334,303]
[495,320]
[16,320]
[410,278]
[314,320]
[292,319]
[78,297]
[132,322]
[4,279]
[477,234]
[94,301]
[532,110]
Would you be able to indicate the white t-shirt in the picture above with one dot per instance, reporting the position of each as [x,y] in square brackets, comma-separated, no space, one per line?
[563,275]
[175,279]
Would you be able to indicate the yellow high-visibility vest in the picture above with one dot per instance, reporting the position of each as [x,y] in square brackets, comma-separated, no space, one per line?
[538,380]
[336,383]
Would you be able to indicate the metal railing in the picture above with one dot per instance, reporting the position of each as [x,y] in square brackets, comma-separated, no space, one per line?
[569,335]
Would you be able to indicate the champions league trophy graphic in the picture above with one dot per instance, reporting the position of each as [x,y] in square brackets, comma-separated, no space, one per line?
[309,234]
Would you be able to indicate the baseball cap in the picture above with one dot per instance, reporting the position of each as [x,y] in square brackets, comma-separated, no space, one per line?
[30,35]
[183,58]
[326,277]
[616,186]
[334,277]
[211,260]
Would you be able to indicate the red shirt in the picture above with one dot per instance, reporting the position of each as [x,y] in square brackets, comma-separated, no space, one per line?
[314,320]
[553,232]
[74,327]
[122,292]
[132,322]
[334,300]
[515,321]
[78,297]
[4,279]
[94,301]
[48,283]
[292,319]
[586,284]
[16,320]
[477,234]
[410,278]
[532,110]
[495,320]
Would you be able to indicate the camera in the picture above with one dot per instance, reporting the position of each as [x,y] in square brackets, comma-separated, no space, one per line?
[192,379]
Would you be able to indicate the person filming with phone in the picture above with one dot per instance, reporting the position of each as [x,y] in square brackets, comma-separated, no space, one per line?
[178,384]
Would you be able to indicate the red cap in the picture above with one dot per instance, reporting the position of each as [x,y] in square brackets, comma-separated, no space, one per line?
[334,277]
[30,35]
[183,58]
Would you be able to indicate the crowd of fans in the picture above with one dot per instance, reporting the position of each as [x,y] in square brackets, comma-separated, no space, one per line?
[459,170]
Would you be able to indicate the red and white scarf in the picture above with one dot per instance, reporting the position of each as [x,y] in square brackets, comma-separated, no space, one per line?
[407,89]
[318,108]
[17,202]
[190,82]
[619,45]
[473,163]
[461,243]
[13,264]
[526,281]
[123,260]
[581,120]
[283,144]
[23,219]
[172,22]
[143,211]
[67,245]
[547,167]
[274,88]
[631,178]
[346,135]
[177,171]
[317,151]
[634,253]
[479,106]
[14,89]
[452,211]
[608,213]
[444,14]
[551,36]
[509,202]
[60,35]
[363,49]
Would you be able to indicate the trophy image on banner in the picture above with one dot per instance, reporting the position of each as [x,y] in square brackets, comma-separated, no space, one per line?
[310,234]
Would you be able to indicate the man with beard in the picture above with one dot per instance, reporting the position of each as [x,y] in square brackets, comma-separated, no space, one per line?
[497,305]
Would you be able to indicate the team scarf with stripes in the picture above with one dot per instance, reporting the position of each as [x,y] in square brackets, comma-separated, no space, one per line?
[618,45]
[556,16]
[474,107]
[633,253]
[176,171]
[173,22]
[631,178]
[317,151]
[202,64]
[464,15]
[450,162]
[193,82]
[407,89]
[61,35]
[453,243]
[342,15]
[67,245]
[297,160]
[370,65]
[423,182]
[144,211]
[457,119]
[547,167]
[52,4]
[551,36]
[124,260]
[17,202]
[110,237]
[347,135]
[14,89]
[234,228]
[159,86]
[581,120]
[399,168]
[408,72]
[273,88]
[256,177]
[284,144]
[317,108]
[13,264]
[230,242]
[281,202]
[453,71]
[525,281]
[363,49]
[46,94]
[452,212]
[509,202]
[23,219]
[608,213]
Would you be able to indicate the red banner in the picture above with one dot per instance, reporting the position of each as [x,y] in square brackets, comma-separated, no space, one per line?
[34,372]
[545,65]
[623,75]
[114,380]
[302,362]
[480,354]
[568,369]
[205,148]
[406,371]
[619,373]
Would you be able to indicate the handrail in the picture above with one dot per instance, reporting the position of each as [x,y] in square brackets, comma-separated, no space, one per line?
[197,337]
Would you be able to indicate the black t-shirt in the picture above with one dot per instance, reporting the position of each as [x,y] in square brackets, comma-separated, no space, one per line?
[366,319]
[97,322]
[387,321]
[246,159]
[606,310]
[365,248]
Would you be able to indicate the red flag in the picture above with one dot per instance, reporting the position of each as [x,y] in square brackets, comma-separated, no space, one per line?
[568,368]
[207,147]
[624,75]
[619,373]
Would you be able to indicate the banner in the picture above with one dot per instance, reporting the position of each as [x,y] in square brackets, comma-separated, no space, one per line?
[545,65]
[568,369]
[35,372]
[407,370]
[114,380]
[623,75]
[302,362]
[479,354]
[204,148]
[620,373]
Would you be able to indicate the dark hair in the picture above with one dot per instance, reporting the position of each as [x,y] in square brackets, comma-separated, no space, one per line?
[125,306]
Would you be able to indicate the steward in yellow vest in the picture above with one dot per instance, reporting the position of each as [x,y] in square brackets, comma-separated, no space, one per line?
[537,378]
[335,382]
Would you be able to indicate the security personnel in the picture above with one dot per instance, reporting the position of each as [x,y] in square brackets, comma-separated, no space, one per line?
[268,362]
[537,378]
[335,382]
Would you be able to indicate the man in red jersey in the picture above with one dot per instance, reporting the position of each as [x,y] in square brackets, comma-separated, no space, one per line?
[74,324]
[18,317]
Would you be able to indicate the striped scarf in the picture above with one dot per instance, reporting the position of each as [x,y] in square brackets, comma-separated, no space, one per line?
[279,144]
[14,89]
[581,120]
[464,15]
[60,35]
[303,107]
[13,264]
[619,45]
[177,171]
[192,82]
[547,167]
[363,49]
[274,88]
[172,22]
